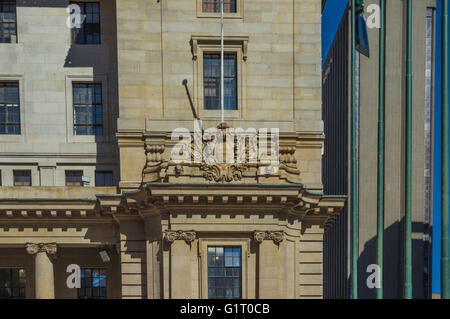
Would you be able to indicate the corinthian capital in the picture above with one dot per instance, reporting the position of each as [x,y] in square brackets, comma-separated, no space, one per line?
[187,236]
[276,236]
[49,248]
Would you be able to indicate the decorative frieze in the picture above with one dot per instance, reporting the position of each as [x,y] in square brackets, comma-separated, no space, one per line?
[187,236]
[276,236]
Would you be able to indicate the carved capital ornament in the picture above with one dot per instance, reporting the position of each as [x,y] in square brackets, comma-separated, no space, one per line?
[49,248]
[276,236]
[187,236]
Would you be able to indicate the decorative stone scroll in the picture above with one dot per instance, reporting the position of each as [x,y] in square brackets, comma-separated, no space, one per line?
[49,248]
[154,160]
[276,236]
[187,236]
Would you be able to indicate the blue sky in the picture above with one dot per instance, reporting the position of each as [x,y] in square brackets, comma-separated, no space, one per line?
[331,18]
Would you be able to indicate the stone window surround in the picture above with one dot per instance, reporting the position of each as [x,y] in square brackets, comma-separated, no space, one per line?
[203,244]
[211,44]
[6,138]
[239,14]
[71,137]
[8,174]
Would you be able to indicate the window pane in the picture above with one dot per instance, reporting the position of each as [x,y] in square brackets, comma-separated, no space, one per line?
[22,178]
[88,109]
[8,21]
[89,32]
[104,179]
[211,81]
[74,178]
[12,283]
[93,284]
[224,274]
[229,6]
[9,108]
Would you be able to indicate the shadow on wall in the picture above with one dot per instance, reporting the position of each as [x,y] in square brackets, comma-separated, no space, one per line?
[393,260]
[102,63]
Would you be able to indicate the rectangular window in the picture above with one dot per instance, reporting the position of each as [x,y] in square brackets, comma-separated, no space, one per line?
[104,179]
[93,284]
[89,33]
[74,178]
[224,273]
[12,283]
[22,178]
[229,6]
[8,21]
[211,81]
[87,108]
[9,108]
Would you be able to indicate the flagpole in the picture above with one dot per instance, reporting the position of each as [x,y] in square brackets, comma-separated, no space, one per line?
[445,242]
[354,167]
[408,166]
[381,137]
[222,107]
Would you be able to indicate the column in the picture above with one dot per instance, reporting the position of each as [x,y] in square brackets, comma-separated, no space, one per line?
[44,276]
[180,263]
[271,265]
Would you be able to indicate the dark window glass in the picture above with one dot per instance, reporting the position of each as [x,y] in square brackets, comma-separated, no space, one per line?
[12,283]
[211,81]
[89,33]
[22,178]
[224,272]
[9,108]
[93,284]
[229,6]
[104,179]
[87,109]
[8,21]
[74,178]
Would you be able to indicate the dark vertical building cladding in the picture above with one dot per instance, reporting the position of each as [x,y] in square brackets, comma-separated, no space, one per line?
[335,97]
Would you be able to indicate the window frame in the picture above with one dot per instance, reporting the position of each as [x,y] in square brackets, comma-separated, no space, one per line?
[85,23]
[236,79]
[225,267]
[107,112]
[15,25]
[24,287]
[72,184]
[239,14]
[104,172]
[103,271]
[22,170]
[6,123]
[247,276]
[238,45]
[94,105]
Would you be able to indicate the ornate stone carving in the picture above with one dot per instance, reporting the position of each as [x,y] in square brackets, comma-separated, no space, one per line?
[223,172]
[49,248]
[276,236]
[288,160]
[187,236]
[154,160]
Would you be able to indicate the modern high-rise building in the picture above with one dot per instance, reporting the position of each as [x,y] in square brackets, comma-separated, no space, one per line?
[336,161]
[98,100]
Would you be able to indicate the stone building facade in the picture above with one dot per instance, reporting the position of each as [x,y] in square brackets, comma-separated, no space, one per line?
[103,190]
